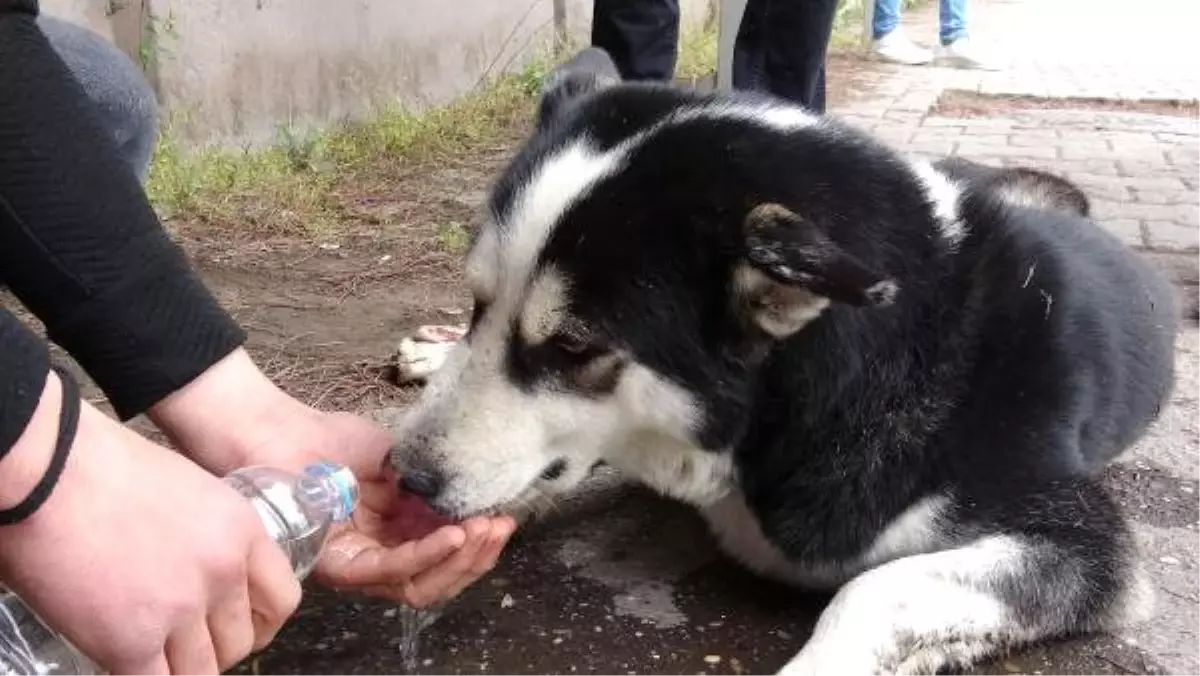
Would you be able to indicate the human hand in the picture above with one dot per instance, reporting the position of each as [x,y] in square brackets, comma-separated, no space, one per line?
[395,547]
[144,561]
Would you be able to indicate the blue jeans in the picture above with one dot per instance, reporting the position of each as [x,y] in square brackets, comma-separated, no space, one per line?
[952,15]
[115,84]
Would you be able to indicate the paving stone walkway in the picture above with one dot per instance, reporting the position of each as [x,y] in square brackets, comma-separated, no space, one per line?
[1140,169]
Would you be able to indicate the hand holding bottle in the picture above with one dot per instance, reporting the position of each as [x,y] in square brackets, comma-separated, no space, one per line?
[233,416]
[144,561]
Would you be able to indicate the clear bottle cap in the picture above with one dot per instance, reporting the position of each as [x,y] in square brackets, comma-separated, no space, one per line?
[342,479]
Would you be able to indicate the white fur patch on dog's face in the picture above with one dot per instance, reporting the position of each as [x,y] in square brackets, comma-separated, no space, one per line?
[491,441]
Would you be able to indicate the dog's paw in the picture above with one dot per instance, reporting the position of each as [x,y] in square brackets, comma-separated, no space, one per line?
[844,652]
[810,663]
[420,356]
[439,333]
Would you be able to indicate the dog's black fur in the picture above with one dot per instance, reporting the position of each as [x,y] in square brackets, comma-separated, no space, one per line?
[1007,368]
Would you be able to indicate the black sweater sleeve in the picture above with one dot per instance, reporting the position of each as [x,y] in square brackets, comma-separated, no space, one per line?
[25,363]
[81,246]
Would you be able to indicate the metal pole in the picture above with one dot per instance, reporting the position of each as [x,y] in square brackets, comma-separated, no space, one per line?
[868,30]
[730,17]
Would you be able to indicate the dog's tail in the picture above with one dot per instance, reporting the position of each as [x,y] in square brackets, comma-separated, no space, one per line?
[1020,185]
[1041,189]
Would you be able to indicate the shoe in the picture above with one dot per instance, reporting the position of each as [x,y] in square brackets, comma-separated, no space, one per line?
[897,48]
[963,54]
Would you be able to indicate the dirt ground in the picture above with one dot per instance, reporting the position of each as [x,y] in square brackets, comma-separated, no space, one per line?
[323,316]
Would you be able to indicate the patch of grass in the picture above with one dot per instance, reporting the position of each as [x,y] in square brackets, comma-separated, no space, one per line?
[453,237]
[291,186]
[698,50]
[159,38]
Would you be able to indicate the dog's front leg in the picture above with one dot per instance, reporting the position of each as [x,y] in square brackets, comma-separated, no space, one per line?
[913,615]
[960,606]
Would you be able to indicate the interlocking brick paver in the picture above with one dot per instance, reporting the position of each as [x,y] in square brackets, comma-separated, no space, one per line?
[969,147]
[1093,167]
[937,148]
[1140,170]
[1146,170]
[1033,137]
[1183,214]
[1129,230]
[926,134]
[1183,157]
[1163,183]
[1179,196]
[1173,236]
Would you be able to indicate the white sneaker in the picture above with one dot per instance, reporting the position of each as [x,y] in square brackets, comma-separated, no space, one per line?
[963,54]
[897,48]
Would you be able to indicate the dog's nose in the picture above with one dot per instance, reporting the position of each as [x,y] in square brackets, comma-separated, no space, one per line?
[424,484]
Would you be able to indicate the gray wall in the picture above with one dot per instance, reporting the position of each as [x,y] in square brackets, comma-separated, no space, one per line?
[234,71]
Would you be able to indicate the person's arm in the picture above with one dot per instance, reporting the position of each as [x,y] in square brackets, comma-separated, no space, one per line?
[80,244]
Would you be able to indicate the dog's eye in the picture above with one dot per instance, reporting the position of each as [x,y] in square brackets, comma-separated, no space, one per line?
[477,312]
[571,344]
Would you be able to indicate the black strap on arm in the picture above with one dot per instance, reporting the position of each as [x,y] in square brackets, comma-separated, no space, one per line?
[68,423]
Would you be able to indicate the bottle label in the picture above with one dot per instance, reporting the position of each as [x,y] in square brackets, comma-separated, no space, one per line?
[343,479]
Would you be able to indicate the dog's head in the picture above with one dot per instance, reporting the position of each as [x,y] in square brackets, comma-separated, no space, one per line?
[641,254]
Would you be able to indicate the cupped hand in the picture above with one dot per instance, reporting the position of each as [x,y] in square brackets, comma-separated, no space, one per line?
[396,548]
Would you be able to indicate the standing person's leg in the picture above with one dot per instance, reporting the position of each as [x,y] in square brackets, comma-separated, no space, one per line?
[890,42]
[749,48]
[886,18]
[956,47]
[797,36]
[115,84]
[952,21]
[817,104]
[641,36]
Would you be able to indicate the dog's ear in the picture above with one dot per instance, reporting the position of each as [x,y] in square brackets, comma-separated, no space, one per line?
[792,271]
[590,70]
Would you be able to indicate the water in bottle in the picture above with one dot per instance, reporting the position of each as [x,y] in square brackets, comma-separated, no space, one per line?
[297,510]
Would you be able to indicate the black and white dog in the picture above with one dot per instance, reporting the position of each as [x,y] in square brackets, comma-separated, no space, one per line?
[894,379]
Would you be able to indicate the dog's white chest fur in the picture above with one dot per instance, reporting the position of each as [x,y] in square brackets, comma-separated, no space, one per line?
[739,534]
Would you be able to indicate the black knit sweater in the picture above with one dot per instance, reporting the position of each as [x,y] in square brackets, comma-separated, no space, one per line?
[82,249]
[29,6]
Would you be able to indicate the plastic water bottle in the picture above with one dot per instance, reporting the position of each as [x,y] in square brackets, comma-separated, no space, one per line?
[297,510]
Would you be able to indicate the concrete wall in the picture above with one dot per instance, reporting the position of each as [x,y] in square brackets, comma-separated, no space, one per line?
[235,71]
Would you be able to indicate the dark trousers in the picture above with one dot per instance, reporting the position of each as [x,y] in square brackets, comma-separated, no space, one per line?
[780,47]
